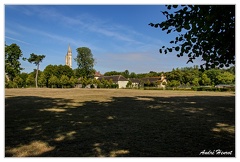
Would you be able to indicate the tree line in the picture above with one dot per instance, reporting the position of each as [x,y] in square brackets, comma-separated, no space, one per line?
[206,31]
[187,76]
[52,76]
[62,76]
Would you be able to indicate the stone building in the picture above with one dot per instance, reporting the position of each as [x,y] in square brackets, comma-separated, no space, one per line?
[68,58]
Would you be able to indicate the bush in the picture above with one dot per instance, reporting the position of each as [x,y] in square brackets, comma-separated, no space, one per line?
[213,89]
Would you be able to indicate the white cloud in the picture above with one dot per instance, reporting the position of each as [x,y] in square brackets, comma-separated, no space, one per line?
[91,23]
[17,40]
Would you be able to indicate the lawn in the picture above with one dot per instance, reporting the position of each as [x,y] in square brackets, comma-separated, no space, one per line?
[118,123]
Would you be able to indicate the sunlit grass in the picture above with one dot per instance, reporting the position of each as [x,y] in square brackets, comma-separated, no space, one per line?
[117,122]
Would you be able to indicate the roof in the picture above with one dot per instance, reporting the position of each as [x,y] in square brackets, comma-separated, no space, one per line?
[135,80]
[97,74]
[115,78]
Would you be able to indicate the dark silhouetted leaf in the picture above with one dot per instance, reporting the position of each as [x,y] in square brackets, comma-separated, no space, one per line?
[177,48]
[194,40]
[208,29]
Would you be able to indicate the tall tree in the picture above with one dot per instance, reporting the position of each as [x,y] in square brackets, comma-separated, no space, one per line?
[63,70]
[204,30]
[30,80]
[49,71]
[13,54]
[42,80]
[36,59]
[64,80]
[85,62]
[18,81]
[53,81]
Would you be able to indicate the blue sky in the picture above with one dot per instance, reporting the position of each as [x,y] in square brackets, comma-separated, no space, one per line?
[118,35]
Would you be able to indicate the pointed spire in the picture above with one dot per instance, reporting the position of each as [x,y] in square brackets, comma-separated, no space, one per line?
[69,49]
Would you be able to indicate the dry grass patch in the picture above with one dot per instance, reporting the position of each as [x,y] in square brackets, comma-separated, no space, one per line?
[35,148]
[117,122]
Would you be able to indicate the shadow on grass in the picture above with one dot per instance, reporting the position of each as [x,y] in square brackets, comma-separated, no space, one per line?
[125,126]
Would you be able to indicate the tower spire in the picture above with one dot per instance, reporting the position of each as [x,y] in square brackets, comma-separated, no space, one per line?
[68,58]
[69,49]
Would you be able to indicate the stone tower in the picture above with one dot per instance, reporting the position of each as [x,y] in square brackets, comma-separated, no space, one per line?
[68,58]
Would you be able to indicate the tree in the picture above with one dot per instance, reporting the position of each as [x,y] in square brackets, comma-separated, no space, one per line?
[125,74]
[42,80]
[175,75]
[30,80]
[64,80]
[12,64]
[226,78]
[174,83]
[204,30]
[63,70]
[129,84]
[53,81]
[133,75]
[212,74]
[24,78]
[36,59]
[195,82]
[49,71]
[85,62]
[72,81]
[110,73]
[205,80]
[18,81]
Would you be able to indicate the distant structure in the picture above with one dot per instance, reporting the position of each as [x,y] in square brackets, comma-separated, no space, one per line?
[68,58]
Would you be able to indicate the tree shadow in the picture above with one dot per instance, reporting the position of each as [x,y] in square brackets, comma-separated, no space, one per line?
[140,126]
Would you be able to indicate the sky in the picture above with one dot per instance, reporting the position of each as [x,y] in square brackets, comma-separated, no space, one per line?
[118,35]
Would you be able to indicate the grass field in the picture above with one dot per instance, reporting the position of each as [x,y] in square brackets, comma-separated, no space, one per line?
[118,123]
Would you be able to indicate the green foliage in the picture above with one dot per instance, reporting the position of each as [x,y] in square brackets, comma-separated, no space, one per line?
[195,82]
[85,62]
[42,80]
[110,73]
[213,89]
[10,84]
[53,81]
[58,71]
[30,80]
[64,80]
[129,84]
[174,83]
[205,80]
[72,81]
[226,78]
[24,78]
[63,70]
[49,71]
[36,59]
[125,74]
[212,74]
[18,81]
[12,64]
[133,75]
[206,31]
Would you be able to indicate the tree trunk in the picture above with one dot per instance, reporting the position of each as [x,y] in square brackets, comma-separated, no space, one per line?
[36,76]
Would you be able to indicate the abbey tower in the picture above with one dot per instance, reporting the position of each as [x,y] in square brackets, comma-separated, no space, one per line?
[68,58]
